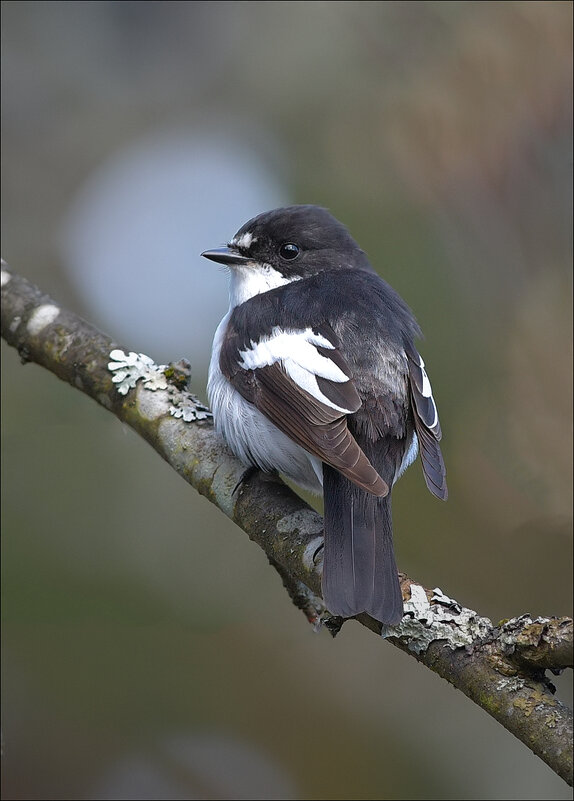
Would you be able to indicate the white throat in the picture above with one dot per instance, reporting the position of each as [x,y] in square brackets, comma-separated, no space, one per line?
[253,279]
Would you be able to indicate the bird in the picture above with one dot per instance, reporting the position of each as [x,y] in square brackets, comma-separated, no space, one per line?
[314,375]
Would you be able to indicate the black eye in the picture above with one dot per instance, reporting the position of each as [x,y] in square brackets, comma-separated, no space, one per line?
[289,251]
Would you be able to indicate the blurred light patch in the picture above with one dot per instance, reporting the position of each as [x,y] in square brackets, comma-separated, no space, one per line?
[132,237]
[196,767]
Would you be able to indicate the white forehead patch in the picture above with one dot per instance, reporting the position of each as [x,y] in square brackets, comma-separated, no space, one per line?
[244,241]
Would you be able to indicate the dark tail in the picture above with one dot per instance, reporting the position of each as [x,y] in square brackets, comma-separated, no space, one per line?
[359,569]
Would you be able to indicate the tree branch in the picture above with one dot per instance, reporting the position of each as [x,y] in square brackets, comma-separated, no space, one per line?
[501,668]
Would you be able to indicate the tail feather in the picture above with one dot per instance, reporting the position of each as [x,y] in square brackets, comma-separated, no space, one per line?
[359,569]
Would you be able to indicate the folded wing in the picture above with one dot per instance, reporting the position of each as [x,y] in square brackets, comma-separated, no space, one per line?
[300,381]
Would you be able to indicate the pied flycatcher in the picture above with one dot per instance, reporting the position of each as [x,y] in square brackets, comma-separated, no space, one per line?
[314,375]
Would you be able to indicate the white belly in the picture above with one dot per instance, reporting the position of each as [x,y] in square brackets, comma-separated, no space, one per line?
[250,435]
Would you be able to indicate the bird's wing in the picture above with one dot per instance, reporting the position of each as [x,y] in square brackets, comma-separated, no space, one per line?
[299,379]
[427,424]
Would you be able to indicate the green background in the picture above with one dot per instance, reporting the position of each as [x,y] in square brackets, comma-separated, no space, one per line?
[149,651]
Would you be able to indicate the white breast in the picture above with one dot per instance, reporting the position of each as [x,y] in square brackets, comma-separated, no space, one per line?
[250,435]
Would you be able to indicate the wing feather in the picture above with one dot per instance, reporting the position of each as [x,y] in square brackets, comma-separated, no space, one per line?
[319,429]
[427,425]
[304,386]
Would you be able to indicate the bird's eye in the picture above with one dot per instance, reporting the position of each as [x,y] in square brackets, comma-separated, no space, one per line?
[289,251]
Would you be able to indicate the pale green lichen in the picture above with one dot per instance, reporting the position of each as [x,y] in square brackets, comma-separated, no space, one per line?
[425,622]
[130,368]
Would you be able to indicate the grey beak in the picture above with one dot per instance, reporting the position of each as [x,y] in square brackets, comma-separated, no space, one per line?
[225,256]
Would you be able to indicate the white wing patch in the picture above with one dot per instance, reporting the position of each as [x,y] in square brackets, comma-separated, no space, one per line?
[426,387]
[301,359]
[426,391]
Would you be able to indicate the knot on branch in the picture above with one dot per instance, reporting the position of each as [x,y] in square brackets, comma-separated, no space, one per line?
[538,644]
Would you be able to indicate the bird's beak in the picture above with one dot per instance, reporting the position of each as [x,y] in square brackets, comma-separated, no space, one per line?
[225,256]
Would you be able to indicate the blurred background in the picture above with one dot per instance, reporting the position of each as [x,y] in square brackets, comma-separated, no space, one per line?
[149,651]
